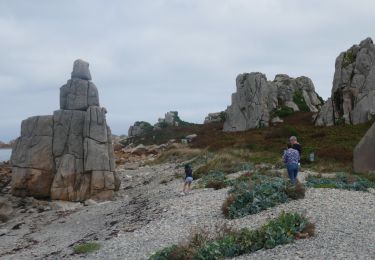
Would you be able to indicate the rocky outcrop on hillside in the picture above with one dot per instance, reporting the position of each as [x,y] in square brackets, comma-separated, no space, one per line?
[214,117]
[170,119]
[353,92]
[67,155]
[139,128]
[257,100]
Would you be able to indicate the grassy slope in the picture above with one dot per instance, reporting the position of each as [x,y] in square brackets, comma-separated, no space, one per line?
[333,146]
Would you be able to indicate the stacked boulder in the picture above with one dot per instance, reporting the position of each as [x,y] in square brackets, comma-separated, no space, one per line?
[256,100]
[69,155]
[352,98]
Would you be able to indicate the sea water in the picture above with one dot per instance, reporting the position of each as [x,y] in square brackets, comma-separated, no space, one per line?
[5,154]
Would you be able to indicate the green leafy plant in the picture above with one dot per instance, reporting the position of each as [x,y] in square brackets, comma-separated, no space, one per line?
[283,111]
[348,59]
[214,179]
[341,181]
[258,193]
[300,101]
[86,248]
[226,161]
[282,230]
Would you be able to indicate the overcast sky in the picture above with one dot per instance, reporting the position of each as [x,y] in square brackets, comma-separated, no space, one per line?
[150,57]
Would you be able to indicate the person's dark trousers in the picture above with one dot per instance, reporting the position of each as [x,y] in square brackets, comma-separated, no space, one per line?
[292,172]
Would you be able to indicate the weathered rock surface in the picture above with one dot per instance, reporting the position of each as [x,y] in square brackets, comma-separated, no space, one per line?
[363,154]
[78,94]
[214,117]
[6,210]
[139,128]
[81,70]
[171,118]
[32,158]
[256,99]
[353,91]
[67,156]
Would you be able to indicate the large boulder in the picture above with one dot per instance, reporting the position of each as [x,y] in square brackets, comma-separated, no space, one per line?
[32,158]
[363,154]
[257,100]
[67,156]
[139,128]
[353,91]
[81,70]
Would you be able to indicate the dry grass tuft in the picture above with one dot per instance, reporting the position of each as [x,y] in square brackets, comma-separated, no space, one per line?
[227,203]
[180,154]
[309,229]
[296,191]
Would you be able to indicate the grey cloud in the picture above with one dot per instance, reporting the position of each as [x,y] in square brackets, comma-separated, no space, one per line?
[148,57]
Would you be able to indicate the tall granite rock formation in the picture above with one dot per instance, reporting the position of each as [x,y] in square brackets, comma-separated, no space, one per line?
[69,155]
[353,93]
[257,100]
[363,154]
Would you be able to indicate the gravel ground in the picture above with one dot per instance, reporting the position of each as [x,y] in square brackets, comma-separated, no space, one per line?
[345,225]
[150,214]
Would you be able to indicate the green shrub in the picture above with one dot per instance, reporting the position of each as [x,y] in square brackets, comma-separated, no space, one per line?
[341,181]
[283,111]
[86,248]
[146,126]
[223,116]
[296,192]
[282,230]
[225,161]
[300,101]
[262,196]
[349,58]
[325,185]
[320,99]
[258,193]
[214,179]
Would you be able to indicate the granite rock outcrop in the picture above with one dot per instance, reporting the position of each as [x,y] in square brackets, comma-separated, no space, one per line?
[352,98]
[67,155]
[363,154]
[257,101]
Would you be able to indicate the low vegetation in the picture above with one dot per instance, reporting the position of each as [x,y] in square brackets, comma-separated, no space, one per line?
[341,181]
[214,179]
[283,111]
[226,161]
[86,248]
[179,154]
[332,146]
[300,101]
[348,59]
[229,243]
[252,194]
